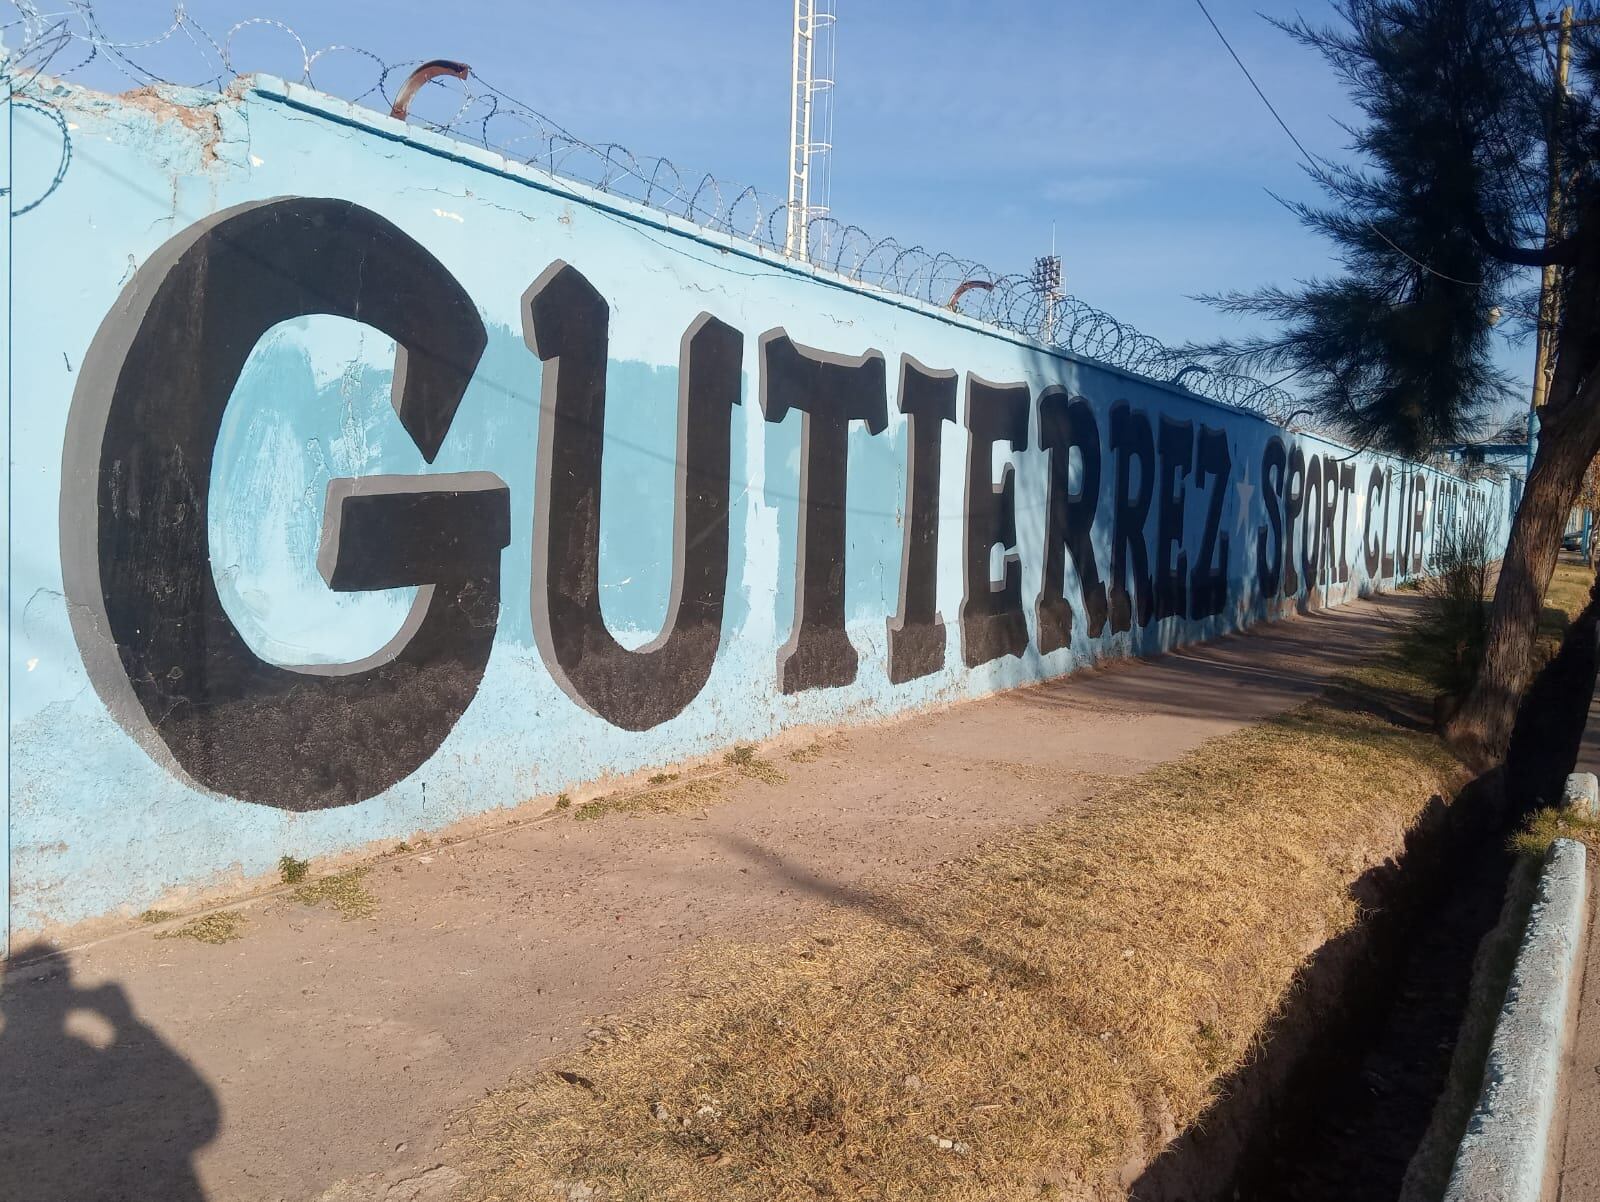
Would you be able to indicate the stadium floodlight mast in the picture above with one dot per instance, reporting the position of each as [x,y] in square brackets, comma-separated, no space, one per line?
[810,111]
[1047,282]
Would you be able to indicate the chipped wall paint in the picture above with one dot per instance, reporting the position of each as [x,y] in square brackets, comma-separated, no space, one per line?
[167,598]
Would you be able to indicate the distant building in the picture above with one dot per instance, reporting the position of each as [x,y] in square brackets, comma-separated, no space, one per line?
[1509,456]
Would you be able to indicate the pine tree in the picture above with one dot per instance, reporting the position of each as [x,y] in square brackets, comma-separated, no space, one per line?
[1440,227]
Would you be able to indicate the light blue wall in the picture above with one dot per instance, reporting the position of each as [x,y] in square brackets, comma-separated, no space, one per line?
[97,826]
[5,512]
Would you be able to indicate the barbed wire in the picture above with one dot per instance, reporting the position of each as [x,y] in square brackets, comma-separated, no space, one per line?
[67,40]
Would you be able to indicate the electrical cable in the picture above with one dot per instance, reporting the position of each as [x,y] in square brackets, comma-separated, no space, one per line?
[1312,161]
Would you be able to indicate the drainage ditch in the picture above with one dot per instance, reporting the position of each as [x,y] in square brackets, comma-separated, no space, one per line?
[1339,1099]
[1340,1093]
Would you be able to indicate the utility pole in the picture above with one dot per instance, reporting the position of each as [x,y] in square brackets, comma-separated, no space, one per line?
[1549,297]
[1549,280]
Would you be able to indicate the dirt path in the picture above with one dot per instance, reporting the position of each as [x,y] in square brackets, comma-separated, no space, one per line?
[319,1052]
[1580,1167]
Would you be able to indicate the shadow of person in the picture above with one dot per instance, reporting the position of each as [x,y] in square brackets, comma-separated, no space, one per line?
[94,1105]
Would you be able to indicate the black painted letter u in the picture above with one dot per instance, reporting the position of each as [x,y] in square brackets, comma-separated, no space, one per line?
[565,323]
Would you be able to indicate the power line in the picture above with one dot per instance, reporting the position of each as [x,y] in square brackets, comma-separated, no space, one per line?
[1311,160]
[41,41]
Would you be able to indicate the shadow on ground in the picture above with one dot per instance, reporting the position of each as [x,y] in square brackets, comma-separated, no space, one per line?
[1341,1089]
[66,1050]
[1341,1094]
[1555,713]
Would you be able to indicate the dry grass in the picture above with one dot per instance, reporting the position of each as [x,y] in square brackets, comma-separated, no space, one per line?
[689,797]
[1563,601]
[1417,665]
[1568,594]
[344,891]
[224,926]
[744,760]
[666,795]
[1030,1023]
[1049,1010]
[1545,826]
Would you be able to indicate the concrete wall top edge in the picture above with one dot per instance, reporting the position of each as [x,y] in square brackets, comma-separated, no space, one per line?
[271,88]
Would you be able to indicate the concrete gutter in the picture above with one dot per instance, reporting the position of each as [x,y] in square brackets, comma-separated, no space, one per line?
[1506,1152]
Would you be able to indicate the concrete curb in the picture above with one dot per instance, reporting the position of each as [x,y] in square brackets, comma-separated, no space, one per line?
[1582,795]
[1505,1153]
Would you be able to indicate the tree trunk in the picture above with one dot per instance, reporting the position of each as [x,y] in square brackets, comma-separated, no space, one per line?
[1481,728]
[1550,722]
[1569,437]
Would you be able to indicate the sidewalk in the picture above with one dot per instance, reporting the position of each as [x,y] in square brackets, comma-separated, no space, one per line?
[317,1050]
[1580,1166]
[1580,1162]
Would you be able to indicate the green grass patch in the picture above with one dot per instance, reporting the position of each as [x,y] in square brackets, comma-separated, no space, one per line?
[291,870]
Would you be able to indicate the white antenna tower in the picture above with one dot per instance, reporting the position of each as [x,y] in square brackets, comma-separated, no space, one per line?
[810,110]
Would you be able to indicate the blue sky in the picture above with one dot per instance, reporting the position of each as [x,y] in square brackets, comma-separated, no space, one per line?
[961,125]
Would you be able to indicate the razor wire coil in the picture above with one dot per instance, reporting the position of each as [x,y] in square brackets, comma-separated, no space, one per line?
[67,40]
